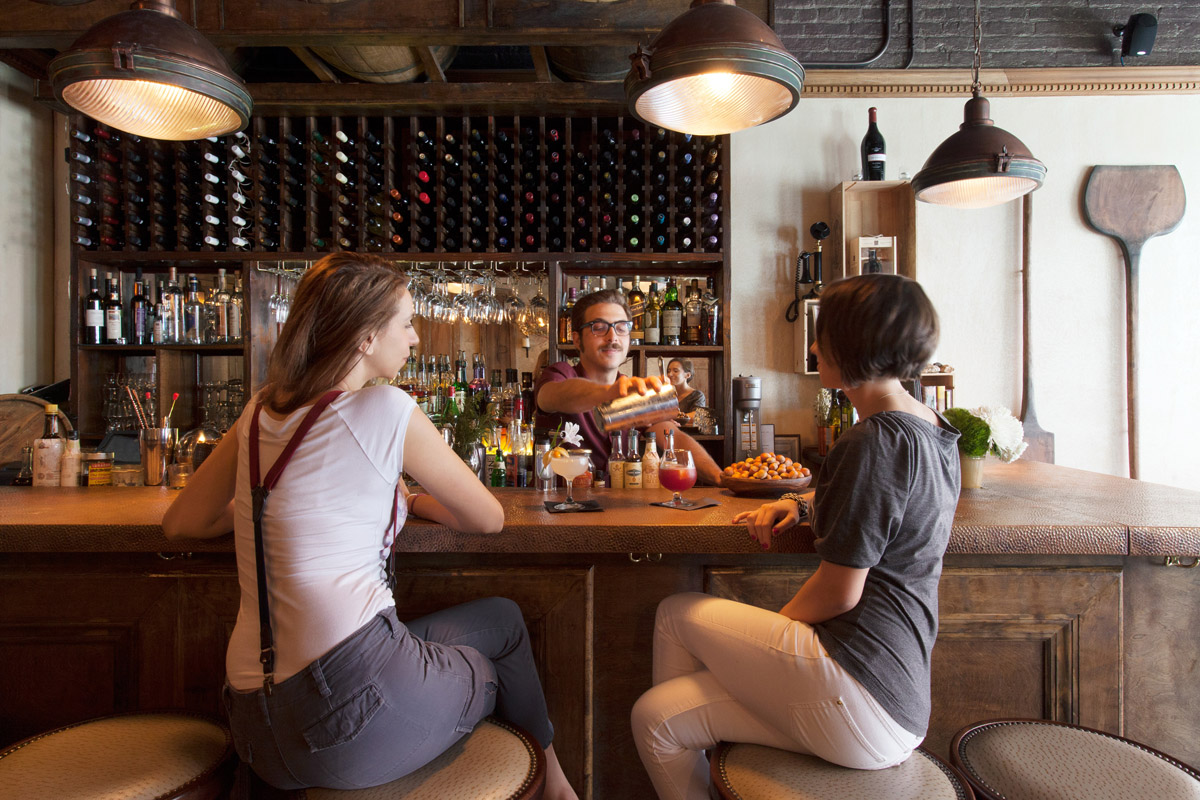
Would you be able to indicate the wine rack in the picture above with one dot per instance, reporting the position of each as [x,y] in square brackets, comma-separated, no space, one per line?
[432,184]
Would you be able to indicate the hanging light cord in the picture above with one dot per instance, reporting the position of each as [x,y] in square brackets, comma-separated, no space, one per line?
[976,85]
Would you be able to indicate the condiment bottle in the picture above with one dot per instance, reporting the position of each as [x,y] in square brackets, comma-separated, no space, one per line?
[47,451]
[633,464]
[616,464]
[650,463]
[69,472]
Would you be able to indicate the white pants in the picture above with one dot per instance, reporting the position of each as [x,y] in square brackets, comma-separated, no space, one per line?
[727,671]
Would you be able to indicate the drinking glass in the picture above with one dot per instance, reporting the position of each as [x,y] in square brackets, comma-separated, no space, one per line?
[677,472]
[570,467]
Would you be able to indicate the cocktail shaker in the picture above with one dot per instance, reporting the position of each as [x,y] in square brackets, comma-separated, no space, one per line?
[638,410]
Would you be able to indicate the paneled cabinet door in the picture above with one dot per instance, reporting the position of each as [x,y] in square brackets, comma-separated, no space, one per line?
[1021,642]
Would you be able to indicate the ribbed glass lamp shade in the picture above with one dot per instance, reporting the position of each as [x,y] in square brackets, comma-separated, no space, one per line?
[978,166]
[147,72]
[715,69]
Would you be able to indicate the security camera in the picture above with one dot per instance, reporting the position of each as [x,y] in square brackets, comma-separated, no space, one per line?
[1137,35]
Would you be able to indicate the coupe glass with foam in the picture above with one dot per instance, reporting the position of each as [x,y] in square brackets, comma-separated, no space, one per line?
[677,472]
[570,467]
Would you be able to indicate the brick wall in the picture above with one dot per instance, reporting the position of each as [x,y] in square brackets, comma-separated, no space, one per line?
[1016,33]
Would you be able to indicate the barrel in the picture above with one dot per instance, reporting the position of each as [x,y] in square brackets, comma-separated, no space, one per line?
[377,64]
[592,64]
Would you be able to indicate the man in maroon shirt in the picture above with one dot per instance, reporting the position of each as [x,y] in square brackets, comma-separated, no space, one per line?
[600,322]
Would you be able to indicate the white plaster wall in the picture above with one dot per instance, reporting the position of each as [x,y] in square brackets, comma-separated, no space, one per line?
[26,235]
[969,262]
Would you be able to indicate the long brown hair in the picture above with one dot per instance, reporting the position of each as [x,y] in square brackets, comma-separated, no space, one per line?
[342,299]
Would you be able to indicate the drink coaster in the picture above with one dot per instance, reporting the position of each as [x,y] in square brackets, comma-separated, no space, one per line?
[703,502]
[588,505]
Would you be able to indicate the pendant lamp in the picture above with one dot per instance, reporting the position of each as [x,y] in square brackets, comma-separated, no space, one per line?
[980,165]
[147,72]
[714,69]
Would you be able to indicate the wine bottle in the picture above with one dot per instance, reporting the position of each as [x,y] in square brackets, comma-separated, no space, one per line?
[93,312]
[672,315]
[874,151]
[637,310]
[114,313]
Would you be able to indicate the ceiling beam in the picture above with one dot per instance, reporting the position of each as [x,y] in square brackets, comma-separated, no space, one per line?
[315,65]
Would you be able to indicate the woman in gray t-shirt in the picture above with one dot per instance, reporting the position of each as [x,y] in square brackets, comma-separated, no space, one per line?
[842,671]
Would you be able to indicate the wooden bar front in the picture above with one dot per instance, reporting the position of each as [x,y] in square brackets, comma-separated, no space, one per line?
[1055,603]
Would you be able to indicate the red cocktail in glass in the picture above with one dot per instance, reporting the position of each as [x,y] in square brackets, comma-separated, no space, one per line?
[677,472]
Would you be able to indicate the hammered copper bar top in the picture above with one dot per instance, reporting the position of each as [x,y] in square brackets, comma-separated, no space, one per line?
[1024,508]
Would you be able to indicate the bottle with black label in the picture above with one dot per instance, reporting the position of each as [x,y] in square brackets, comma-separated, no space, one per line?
[114,313]
[873,150]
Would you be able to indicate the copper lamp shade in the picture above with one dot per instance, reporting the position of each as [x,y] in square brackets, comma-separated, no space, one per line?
[979,166]
[714,69]
[147,72]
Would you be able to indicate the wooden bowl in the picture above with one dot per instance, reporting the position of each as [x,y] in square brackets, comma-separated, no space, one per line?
[755,487]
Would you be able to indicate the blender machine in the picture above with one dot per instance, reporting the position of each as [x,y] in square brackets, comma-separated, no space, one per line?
[747,400]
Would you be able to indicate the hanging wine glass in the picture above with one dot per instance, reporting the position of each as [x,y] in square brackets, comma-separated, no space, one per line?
[420,295]
[537,316]
[514,306]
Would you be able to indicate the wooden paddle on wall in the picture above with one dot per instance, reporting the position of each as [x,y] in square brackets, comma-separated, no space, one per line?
[1133,205]
[1041,442]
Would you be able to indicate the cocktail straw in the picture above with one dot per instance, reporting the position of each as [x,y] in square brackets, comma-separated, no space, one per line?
[137,407]
[171,410]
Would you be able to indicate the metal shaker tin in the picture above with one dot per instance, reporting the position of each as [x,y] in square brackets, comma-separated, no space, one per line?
[638,410]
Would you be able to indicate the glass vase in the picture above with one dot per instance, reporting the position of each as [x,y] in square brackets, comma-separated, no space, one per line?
[972,471]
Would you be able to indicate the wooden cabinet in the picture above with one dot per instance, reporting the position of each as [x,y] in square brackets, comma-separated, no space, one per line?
[866,214]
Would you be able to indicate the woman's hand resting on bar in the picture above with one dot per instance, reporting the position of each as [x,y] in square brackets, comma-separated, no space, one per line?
[770,519]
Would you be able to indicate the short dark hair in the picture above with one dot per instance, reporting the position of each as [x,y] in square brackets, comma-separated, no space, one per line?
[877,326]
[579,313]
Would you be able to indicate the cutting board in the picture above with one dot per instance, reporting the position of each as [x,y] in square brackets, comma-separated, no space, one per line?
[1133,205]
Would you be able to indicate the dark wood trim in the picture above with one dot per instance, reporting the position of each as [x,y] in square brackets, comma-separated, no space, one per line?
[315,65]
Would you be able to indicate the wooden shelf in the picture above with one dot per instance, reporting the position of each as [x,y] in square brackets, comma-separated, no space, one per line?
[149,349]
[654,349]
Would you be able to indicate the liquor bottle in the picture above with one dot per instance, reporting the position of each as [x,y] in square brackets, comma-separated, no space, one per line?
[874,267]
[616,464]
[692,314]
[650,462]
[710,312]
[652,319]
[139,312]
[461,382]
[873,150]
[93,312]
[221,310]
[633,463]
[48,450]
[479,384]
[114,313]
[236,302]
[672,315]
[193,313]
[637,311]
[499,475]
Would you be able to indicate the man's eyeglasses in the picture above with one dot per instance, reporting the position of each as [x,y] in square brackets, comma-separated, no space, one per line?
[599,327]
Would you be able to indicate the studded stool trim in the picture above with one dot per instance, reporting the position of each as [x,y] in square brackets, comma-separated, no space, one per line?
[721,788]
[531,786]
[962,760]
[224,762]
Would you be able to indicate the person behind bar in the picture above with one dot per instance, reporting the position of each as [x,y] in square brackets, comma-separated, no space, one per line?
[600,325]
[680,373]
[356,698]
[842,671]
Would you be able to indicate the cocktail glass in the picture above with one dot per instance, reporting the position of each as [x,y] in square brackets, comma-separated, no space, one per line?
[677,472]
[569,467]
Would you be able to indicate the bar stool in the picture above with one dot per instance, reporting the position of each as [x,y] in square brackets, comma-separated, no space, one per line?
[1035,758]
[177,755]
[755,772]
[497,761]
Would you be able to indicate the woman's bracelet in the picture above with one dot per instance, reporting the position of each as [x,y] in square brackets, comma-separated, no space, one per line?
[800,500]
[412,501]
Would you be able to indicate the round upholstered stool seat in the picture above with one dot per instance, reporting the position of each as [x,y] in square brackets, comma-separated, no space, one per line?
[497,761]
[754,772]
[1030,759]
[126,757]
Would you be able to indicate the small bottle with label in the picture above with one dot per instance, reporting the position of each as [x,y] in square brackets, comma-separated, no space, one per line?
[48,451]
[616,464]
[69,471]
[25,476]
[650,463]
[633,464]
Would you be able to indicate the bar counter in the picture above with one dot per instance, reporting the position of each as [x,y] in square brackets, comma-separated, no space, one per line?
[1025,508]
[1065,595]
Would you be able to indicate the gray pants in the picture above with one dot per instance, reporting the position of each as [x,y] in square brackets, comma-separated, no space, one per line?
[391,698]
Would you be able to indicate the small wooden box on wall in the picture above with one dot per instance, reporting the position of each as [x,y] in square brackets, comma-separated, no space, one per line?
[872,211]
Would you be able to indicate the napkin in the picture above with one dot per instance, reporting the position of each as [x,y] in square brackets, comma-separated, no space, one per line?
[703,502]
[588,505]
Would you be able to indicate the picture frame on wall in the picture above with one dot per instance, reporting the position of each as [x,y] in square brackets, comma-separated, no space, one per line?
[787,444]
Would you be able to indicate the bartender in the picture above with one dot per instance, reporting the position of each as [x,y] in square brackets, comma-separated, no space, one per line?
[600,325]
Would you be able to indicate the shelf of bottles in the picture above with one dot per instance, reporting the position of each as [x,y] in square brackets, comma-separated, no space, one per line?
[671,314]
[470,184]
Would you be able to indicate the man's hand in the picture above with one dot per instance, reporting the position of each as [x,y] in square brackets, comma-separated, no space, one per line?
[626,385]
